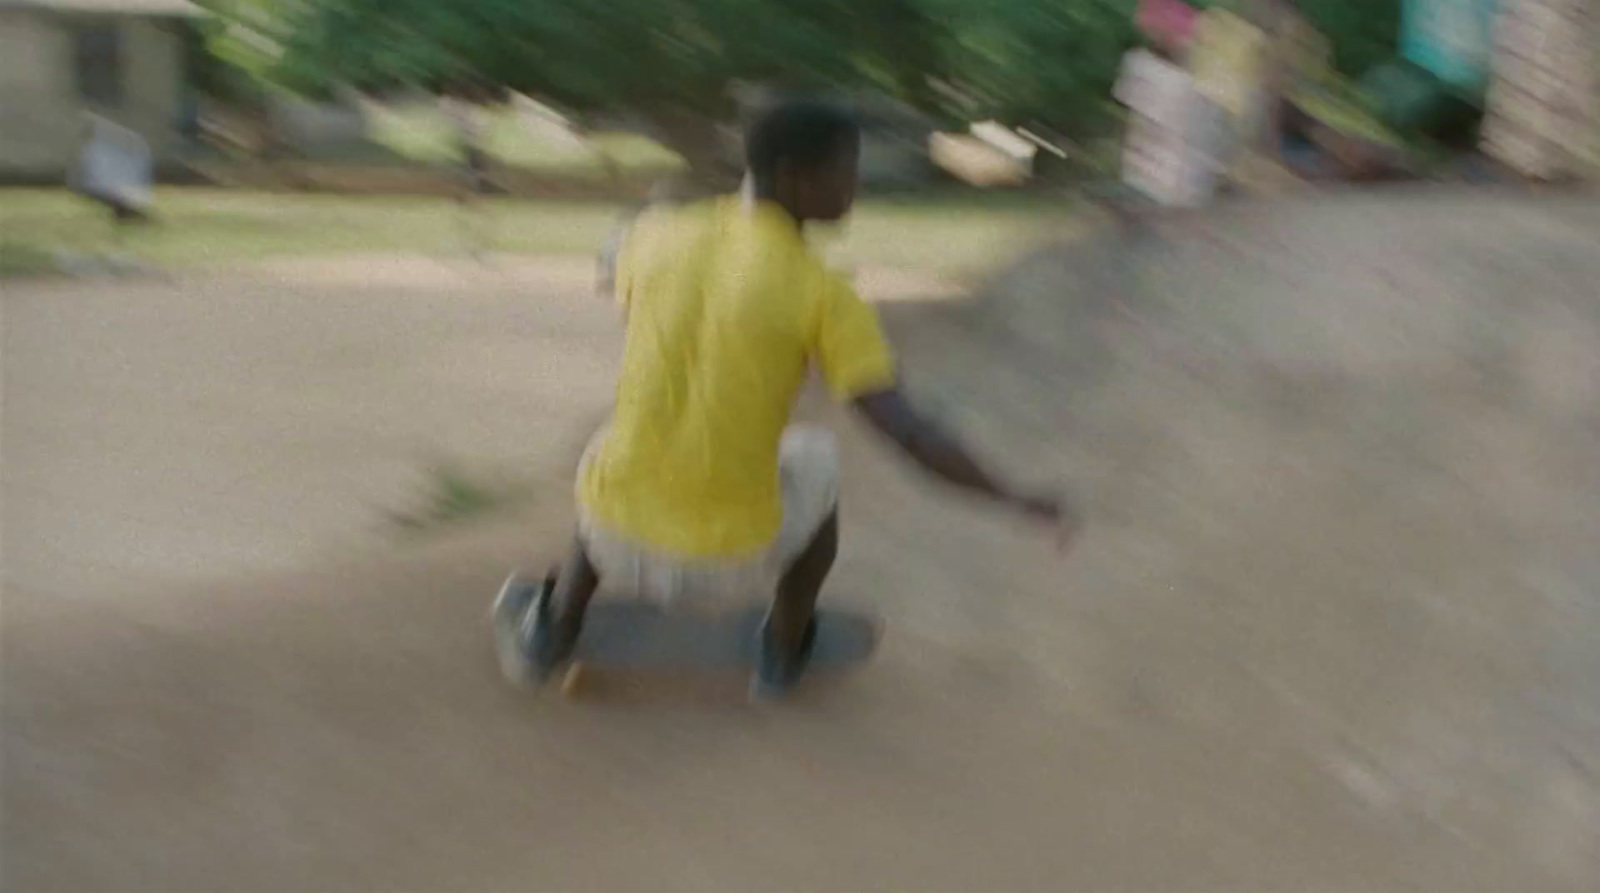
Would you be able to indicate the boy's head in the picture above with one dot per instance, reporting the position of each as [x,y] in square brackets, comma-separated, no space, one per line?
[803,155]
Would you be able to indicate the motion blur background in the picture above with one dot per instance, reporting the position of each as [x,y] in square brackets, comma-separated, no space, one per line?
[273,433]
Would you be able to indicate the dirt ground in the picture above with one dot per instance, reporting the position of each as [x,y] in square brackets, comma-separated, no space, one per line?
[1333,625]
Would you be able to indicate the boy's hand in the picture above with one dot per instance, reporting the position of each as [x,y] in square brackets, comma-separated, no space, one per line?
[1051,509]
[1042,507]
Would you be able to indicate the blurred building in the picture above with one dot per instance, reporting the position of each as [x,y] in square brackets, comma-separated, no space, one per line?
[122,59]
[1541,117]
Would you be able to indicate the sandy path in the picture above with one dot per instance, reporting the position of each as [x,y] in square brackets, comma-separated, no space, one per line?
[1332,628]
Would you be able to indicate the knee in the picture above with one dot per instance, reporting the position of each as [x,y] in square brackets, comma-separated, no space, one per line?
[824,546]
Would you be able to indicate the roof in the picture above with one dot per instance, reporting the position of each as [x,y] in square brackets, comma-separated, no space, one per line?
[117,7]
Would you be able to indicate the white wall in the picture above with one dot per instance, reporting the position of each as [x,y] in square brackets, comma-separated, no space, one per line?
[41,114]
[153,82]
[38,108]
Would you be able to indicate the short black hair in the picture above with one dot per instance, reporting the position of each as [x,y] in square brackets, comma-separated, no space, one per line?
[807,134]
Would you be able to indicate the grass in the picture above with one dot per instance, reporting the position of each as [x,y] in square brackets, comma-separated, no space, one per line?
[949,234]
[17,259]
[202,226]
[454,495]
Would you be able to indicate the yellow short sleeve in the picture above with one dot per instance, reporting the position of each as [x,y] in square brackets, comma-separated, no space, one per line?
[623,264]
[849,345]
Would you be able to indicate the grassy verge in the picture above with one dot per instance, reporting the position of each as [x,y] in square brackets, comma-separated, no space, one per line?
[205,226]
[19,259]
[454,495]
[944,233]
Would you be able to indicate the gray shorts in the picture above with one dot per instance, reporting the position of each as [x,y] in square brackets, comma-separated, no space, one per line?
[808,476]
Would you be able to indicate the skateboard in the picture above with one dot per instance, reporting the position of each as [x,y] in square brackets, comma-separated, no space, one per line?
[635,637]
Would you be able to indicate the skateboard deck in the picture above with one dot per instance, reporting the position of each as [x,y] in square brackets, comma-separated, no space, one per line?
[637,637]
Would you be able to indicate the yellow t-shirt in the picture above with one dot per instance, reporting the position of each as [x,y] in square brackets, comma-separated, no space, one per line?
[727,309]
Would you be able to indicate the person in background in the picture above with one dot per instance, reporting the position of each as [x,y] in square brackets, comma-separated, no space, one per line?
[1250,58]
[699,487]
[1162,161]
[114,170]
[1228,58]
[463,108]
[1164,172]
[464,111]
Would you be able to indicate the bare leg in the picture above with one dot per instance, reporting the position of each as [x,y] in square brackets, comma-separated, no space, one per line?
[575,586]
[799,587]
[539,634]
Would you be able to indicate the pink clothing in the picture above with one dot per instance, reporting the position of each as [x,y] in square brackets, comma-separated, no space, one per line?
[1169,20]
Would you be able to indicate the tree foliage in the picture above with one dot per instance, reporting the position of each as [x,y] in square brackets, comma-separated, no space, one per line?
[231,53]
[1048,64]
[1044,63]
[671,62]
[1364,33]
[620,52]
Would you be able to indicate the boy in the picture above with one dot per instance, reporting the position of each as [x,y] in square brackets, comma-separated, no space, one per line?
[671,191]
[696,487]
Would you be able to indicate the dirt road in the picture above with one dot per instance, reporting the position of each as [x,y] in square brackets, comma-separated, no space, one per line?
[1333,626]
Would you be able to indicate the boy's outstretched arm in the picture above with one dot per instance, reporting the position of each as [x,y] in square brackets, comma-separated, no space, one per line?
[943,456]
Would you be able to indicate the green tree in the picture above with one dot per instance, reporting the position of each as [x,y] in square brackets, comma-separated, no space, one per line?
[1045,64]
[1364,33]
[670,63]
[231,52]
